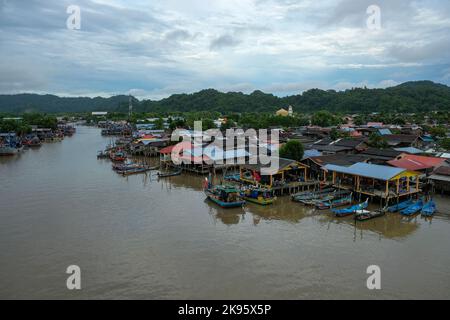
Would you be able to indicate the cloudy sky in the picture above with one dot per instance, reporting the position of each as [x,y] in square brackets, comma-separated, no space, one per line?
[155,48]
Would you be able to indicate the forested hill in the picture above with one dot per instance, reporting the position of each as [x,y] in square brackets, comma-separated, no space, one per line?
[19,103]
[408,97]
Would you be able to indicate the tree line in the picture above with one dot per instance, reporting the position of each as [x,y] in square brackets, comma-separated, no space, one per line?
[410,97]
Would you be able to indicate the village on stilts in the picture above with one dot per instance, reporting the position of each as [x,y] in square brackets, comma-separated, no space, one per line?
[361,171]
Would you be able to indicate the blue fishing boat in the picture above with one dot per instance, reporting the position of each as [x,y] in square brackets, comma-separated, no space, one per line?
[225,196]
[351,210]
[413,209]
[401,206]
[429,209]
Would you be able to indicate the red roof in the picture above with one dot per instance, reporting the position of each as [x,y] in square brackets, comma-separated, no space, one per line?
[413,162]
[182,145]
[183,156]
[167,150]
[355,134]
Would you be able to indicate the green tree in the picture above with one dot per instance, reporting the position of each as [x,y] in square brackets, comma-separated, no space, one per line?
[293,149]
[445,144]
[438,132]
[159,124]
[17,126]
[325,119]
[208,124]
[334,134]
[377,141]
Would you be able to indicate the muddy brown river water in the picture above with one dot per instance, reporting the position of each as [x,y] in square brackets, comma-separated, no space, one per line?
[138,237]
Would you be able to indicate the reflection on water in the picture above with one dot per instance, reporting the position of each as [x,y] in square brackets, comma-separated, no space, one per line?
[390,226]
[141,237]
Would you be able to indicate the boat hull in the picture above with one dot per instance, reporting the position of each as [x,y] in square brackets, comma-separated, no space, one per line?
[226,204]
[351,210]
[8,151]
[369,215]
[414,209]
[264,202]
[167,175]
[429,209]
[401,206]
[327,205]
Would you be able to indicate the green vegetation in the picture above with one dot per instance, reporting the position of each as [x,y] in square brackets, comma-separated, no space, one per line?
[445,144]
[325,119]
[438,132]
[410,97]
[377,141]
[23,126]
[18,127]
[292,150]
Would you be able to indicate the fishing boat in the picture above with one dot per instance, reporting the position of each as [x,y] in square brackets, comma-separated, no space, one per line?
[343,201]
[308,195]
[429,209]
[6,150]
[118,157]
[351,210]
[132,171]
[225,196]
[9,144]
[364,215]
[313,195]
[317,199]
[170,174]
[400,206]
[413,209]
[259,196]
[32,142]
[103,155]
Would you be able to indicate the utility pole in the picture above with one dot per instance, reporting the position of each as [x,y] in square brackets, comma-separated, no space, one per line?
[130,108]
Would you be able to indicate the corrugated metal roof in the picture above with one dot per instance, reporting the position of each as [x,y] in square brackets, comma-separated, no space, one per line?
[367,170]
[412,162]
[384,132]
[443,171]
[440,178]
[215,153]
[410,150]
[311,153]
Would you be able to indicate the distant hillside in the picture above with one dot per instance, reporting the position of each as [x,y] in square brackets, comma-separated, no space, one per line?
[420,96]
[53,104]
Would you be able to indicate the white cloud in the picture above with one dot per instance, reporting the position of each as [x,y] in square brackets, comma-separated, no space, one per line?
[170,46]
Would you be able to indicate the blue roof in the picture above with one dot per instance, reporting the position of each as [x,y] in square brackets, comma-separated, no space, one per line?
[368,170]
[384,132]
[427,138]
[410,150]
[311,153]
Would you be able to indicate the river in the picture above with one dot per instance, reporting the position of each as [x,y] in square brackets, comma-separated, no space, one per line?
[141,238]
